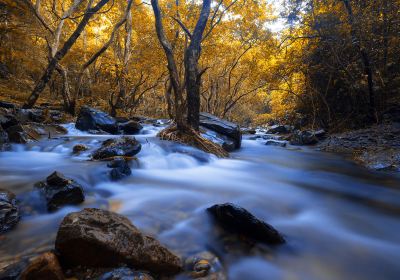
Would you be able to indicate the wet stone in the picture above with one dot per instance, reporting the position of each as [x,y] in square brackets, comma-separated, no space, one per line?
[79,148]
[43,267]
[238,220]
[60,191]
[100,238]
[9,211]
[114,147]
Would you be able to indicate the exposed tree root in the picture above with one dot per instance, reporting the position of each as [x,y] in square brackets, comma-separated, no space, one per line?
[193,138]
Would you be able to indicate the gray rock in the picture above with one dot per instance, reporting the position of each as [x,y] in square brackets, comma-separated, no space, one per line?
[223,127]
[114,147]
[92,119]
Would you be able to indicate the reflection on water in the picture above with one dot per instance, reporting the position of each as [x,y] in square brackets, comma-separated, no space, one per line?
[341,221]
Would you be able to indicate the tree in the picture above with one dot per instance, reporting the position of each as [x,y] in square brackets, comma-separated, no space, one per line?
[59,55]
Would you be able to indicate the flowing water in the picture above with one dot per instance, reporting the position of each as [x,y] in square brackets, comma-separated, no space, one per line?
[340,220]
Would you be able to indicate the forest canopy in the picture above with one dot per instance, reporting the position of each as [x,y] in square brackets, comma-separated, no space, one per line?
[334,64]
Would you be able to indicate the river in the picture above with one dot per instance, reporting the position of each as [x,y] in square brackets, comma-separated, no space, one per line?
[341,221]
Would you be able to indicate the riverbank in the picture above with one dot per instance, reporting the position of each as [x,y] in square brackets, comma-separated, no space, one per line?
[377,147]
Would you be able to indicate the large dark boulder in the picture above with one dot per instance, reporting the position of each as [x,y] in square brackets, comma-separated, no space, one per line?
[9,211]
[45,266]
[59,191]
[8,120]
[100,238]
[17,134]
[130,127]
[92,119]
[223,127]
[117,147]
[238,220]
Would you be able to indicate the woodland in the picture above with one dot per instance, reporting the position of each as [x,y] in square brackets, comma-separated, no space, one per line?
[154,139]
[334,64]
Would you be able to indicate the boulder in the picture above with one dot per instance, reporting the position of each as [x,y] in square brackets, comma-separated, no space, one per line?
[125,273]
[120,169]
[100,238]
[8,120]
[46,266]
[223,127]
[114,147]
[92,119]
[130,127]
[78,148]
[279,129]
[59,191]
[9,211]
[300,138]
[238,220]
[17,134]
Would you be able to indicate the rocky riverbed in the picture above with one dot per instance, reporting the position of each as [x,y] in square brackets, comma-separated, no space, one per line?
[91,204]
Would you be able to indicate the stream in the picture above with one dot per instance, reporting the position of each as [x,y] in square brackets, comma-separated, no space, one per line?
[340,220]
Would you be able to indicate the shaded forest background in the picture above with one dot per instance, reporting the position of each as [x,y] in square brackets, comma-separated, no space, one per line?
[336,64]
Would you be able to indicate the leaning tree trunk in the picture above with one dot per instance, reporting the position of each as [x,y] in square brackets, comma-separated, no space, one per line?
[192,74]
[172,67]
[41,84]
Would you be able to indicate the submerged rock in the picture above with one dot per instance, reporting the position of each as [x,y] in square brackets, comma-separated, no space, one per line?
[46,266]
[125,273]
[92,119]
[276,143]
[238,220]
[59,191]
[78,148]
[9,211]
[130,127]
[120,169]
[205,266]
[223,127]
[99,238]
[114,147]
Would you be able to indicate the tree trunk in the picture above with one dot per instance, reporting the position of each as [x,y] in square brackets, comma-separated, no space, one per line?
[41,84]
[192,75]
